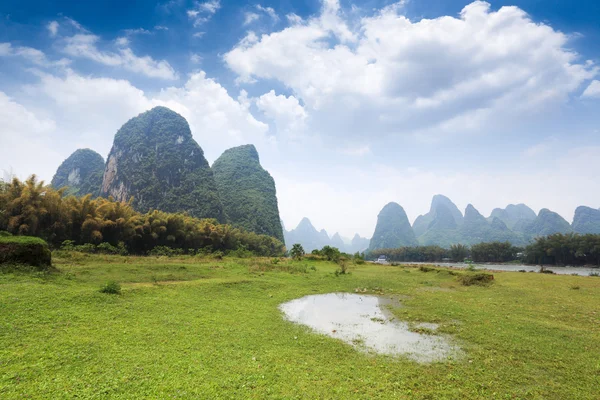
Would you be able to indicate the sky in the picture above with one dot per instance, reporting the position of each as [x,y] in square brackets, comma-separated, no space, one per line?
[350,105]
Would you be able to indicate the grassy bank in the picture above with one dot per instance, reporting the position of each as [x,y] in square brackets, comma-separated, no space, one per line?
[205,328]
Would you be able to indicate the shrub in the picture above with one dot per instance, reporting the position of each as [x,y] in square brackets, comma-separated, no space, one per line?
[4,233]
[297,251]
[165,251]
[107,248]
[111,287]
[25,250]
[480,278]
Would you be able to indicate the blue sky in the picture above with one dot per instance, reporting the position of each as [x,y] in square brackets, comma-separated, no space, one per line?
[351,105]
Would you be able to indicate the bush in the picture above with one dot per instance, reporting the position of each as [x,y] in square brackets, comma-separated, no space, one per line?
[165,251]
[297,251]
[107,248]
[4,233]
[25,250]
[111,287]
[480,278]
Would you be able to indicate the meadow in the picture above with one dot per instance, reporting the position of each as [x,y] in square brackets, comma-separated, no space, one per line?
[203,327]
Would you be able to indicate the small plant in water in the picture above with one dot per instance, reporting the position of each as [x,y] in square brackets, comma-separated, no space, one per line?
[111,287]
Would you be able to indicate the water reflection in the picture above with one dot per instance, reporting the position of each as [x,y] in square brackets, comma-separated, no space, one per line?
[364,321]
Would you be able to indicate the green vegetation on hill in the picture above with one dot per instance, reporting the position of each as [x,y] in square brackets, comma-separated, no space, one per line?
[155,160]
[513,214]
[393,228]
[81,173]
[547,223]
[25,250]
[442,209]
[586,220]
[193,327]
[247,191]
[34,209]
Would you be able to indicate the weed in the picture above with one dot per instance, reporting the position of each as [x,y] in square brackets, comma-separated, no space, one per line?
[480,279]
[111,287]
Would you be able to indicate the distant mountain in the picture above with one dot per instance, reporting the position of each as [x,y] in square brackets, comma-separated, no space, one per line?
[442,229]
[513,214]
[423,222]
[306,235]
[359,244]
[393,229]
[477,229]
[586,220]
[81,173]
[546,223]
[155,160]
[337,241]
[247,191]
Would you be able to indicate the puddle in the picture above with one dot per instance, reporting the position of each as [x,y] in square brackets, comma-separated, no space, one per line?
[364,321]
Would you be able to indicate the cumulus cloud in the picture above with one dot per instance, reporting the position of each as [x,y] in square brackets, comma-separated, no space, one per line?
[269,11]
[30,54]
[52,28]
[250,17]
[286,113]
[84,45]
[434,76]
[24,133]
[202,12]
[83,111]
[593,90]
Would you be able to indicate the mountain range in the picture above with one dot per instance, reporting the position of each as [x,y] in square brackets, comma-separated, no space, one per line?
[312,239]
[155,162]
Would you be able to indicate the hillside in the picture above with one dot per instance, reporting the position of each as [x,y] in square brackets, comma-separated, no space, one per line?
[81,173]
[247,191]
[393,229]
[155,160]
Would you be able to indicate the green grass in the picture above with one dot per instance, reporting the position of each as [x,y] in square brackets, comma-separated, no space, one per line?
[22,240]
[192,327]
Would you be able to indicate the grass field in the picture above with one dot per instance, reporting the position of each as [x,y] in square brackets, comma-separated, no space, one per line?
[205,328]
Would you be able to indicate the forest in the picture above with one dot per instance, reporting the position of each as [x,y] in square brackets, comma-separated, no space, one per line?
[556,249]
[33,208]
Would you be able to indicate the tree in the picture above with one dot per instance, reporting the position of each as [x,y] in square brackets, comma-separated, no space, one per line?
[458,252]
[297,251]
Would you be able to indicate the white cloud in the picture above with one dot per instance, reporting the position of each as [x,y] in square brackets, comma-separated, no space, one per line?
[82,111]
[195,58]
[215,117]
[85,46]
[32,55]
[357,150]
[287,114]
[202,12]
[210,6]
[137,31]
[122,42]
[25,137]
[294,19]
[269,11]
[431,77]
[52,28]
[250,17]
[593,90]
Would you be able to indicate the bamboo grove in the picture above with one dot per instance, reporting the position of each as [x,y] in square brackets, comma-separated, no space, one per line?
[35,209]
